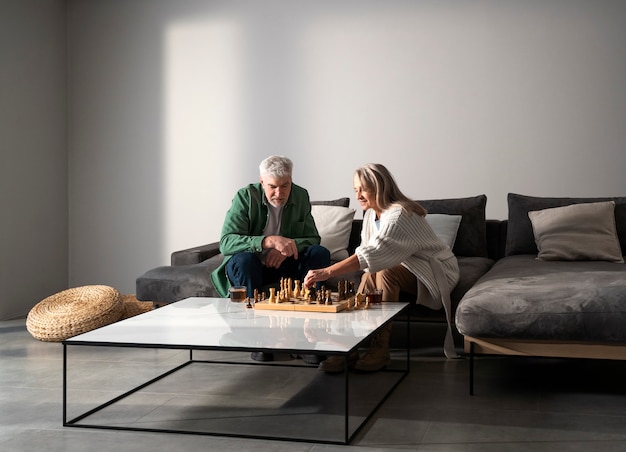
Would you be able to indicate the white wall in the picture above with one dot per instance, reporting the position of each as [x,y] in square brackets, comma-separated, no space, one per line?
[173,104]
[33,153]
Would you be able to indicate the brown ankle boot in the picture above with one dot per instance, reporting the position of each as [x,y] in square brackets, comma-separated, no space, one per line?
[377,357]
[335,364]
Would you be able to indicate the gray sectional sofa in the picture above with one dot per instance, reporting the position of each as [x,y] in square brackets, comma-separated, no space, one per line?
[507,300]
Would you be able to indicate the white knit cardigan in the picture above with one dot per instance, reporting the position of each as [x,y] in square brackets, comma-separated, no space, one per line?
[405,238]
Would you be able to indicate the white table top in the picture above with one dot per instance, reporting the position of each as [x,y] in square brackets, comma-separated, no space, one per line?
[218,323]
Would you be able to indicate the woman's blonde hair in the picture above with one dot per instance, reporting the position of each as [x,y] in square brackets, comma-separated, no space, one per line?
[376,178]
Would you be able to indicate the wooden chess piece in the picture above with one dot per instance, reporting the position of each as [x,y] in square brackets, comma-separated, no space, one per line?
[358,300]
[297,291]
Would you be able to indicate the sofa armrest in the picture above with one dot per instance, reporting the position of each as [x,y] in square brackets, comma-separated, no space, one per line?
[195,255]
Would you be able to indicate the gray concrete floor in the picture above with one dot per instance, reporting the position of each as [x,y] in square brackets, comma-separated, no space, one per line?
[521,404]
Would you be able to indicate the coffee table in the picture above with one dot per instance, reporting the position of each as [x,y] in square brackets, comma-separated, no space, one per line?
[341,403]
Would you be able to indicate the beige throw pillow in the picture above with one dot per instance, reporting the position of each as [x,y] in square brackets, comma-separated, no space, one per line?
[445,226]
[334,224]
[577,232]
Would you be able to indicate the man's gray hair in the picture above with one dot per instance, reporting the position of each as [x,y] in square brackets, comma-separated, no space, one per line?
[276,166]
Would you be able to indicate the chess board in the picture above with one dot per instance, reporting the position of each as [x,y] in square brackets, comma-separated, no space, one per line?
[300,305]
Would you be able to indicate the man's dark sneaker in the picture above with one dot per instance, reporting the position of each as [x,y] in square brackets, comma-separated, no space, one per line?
[262,356]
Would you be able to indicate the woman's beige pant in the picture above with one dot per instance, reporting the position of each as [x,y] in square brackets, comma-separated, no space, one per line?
[391,281]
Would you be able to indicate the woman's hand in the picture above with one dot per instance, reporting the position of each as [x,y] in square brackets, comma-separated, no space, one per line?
[321,274]
[347,265]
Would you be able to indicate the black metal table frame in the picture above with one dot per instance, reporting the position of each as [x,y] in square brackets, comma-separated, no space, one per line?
[75,422]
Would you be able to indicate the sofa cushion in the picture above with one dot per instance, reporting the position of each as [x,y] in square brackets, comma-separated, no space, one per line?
[577,232]
[471,239]
[334,224]
[522,297]
[520,238]
[445,226]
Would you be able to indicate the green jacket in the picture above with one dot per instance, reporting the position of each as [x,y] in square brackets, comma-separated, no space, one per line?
[246,220]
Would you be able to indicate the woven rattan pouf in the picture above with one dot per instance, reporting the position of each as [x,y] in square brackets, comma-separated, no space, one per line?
[133,307]
[74,311]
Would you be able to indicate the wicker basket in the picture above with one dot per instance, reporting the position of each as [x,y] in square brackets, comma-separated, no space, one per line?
[133,307]
[73,312]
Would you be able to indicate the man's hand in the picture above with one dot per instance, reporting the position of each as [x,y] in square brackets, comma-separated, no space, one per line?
[286,247]
[274,259]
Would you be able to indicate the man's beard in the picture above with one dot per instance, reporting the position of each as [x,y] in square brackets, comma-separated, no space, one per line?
[277,203]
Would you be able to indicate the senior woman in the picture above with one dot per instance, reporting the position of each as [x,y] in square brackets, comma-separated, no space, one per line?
[399,251]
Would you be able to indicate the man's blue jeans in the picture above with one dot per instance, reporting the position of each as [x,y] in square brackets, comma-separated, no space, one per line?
[246,269]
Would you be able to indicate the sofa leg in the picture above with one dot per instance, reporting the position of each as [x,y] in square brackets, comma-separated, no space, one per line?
[471,370]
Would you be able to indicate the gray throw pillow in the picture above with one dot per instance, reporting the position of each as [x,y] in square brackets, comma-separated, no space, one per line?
[577,232]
